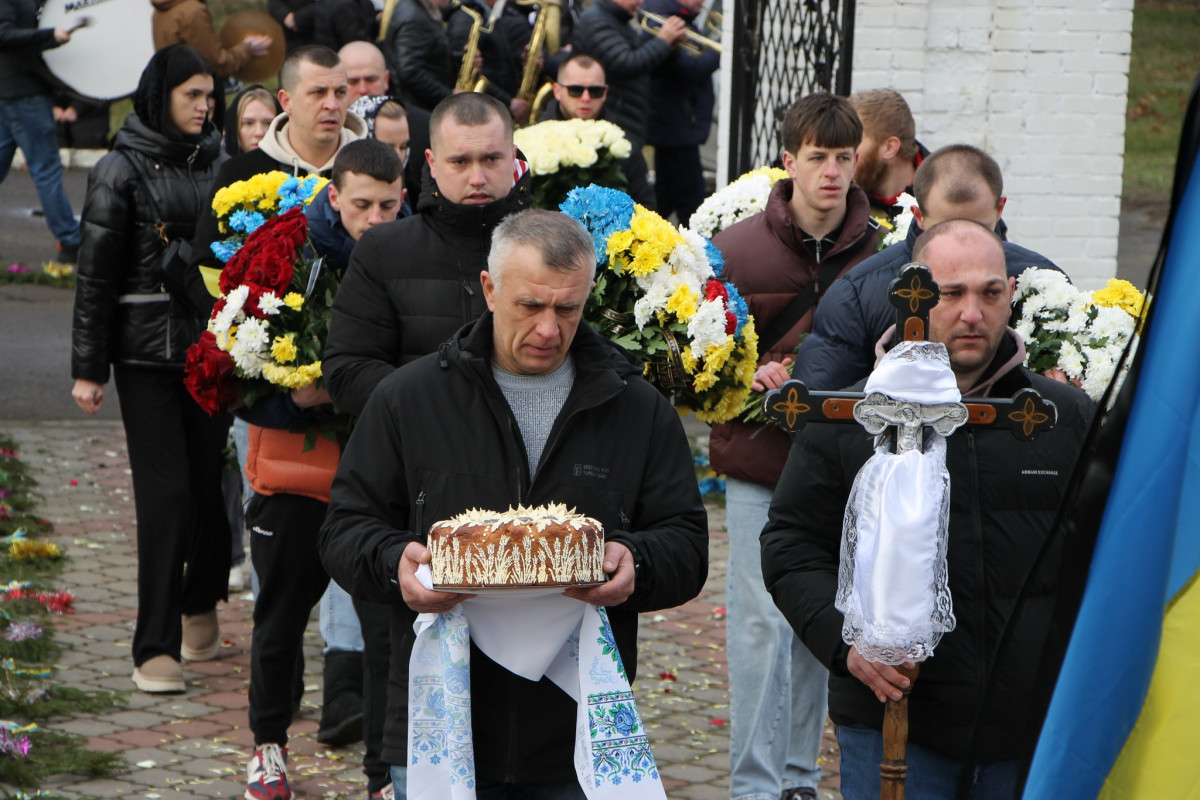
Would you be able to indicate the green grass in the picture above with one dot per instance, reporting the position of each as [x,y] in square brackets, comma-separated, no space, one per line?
[1163,65]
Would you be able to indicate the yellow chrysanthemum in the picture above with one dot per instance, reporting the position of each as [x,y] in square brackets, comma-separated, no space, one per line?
[1120,294]
[704,381]
[682,302]
[292,377]
[774,173]
[618,247]
[689,360]
[293,300]
[716,355]
[728,407]
[283,349]
[653,240]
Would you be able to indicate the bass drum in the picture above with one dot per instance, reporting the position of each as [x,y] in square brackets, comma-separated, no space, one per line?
[107,54]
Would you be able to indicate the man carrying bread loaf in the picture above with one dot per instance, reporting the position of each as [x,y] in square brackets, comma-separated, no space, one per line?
[526,406]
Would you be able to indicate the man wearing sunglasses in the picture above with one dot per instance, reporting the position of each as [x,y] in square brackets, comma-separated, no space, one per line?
[579,93]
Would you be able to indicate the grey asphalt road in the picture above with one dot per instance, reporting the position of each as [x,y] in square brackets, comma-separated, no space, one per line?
[35,321]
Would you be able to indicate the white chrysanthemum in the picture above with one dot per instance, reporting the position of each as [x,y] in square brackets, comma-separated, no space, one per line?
[743,198]
[707,326]
[1071,360]
[1113,324]
[1025,329]
[1101,366]
[231,314]
[655,299]
[270,303]
[899,231]
[250,352]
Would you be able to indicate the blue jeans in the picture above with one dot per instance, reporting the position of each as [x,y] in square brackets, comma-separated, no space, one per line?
[241,444]
[339,622]
[777,689]
[931,775]
[28,123]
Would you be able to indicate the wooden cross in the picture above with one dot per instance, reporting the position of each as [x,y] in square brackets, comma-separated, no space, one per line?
[1026,415]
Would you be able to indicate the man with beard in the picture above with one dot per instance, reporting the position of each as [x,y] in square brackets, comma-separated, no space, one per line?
[889,154]
[1003,501]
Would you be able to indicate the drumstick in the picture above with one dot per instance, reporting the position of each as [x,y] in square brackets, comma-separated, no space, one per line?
[82,22]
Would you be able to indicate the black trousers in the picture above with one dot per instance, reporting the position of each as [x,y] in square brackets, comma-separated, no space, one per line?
[678,181]
[291,580]
[375,620]
[175,455]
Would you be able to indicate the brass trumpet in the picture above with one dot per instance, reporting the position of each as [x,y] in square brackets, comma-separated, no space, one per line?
[693,45]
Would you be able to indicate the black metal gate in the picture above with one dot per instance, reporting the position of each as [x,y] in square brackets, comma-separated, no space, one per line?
[782,50]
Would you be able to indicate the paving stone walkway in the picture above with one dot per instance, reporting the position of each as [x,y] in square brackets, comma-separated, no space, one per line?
[196,745]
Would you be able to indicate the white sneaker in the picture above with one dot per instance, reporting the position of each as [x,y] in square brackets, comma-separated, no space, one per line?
[266,774]
[237,577]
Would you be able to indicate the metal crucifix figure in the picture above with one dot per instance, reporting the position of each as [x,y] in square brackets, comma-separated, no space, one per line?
[903,425]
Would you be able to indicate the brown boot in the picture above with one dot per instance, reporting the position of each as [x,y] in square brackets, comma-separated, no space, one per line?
[201,637]
[160,675]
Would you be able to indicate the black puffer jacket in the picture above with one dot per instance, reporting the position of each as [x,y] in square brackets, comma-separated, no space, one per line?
[420,50]
[1004,497]
[438,438]
[603,32]
[410,285]
[123,312]
[855,313]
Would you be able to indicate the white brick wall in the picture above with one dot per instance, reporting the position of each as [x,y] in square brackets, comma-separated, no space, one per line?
[1039,84]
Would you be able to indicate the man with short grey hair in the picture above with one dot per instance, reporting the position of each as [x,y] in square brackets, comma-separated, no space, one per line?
[527,405]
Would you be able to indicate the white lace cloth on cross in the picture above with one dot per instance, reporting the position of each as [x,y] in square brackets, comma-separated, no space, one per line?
[893,582]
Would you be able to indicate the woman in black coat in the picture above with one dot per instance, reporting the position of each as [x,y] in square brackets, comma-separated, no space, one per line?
[142,197]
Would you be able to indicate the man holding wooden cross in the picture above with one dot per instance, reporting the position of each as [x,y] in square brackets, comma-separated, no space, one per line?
[1003,497]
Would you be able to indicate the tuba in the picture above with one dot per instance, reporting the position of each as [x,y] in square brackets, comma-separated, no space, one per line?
[545,32]
[469,80]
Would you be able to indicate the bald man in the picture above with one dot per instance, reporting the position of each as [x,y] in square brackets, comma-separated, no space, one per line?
[368,75]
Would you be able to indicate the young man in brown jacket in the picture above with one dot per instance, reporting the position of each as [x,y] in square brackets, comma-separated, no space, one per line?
[816,226]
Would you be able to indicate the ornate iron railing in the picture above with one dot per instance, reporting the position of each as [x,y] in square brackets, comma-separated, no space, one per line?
[782,50]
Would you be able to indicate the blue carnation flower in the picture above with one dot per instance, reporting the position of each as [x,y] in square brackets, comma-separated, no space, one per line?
[245,221]
[601,211]
[308,186]
[225,250]
[737,304]
[715,259]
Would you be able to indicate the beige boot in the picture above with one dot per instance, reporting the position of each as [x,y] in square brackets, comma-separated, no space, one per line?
[160,675]
[201,636]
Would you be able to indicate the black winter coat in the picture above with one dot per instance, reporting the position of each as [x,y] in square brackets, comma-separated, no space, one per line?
[855,313]
[603,32]
[438,438]
[682,88]
[410,285]
[1004,497]
[22,73]
[420,50]
[501,66]
[123,312]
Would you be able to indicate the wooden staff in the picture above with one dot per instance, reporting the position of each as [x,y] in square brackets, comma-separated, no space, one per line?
[893,770]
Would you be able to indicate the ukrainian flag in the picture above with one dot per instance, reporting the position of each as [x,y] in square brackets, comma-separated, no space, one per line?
[1124,721]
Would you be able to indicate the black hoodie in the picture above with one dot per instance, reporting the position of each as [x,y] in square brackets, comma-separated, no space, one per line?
[123,311]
